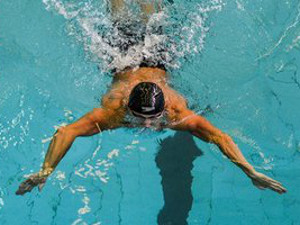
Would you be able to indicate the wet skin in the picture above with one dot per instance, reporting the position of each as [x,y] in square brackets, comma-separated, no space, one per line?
[111,116]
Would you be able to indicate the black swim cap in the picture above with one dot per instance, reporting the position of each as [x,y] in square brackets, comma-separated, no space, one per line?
[146,100]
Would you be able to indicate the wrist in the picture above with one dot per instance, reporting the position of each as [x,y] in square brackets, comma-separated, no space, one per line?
[45,172]
[250,171]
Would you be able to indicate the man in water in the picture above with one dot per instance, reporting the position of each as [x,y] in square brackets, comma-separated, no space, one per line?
[141,97]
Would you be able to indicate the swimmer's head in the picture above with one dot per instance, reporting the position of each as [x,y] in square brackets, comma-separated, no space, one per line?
[146,100]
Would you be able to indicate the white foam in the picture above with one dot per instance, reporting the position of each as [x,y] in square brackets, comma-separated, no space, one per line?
[295,44]
[60,175]
[113,153]
[239,5]
[79,221]
[15,130]
[86,209]
[1,199]
[185,32]
[267,161]
[81,189]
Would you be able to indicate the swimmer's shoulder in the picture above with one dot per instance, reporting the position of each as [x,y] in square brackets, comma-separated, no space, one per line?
[113,100]
[176,105]
[112,103]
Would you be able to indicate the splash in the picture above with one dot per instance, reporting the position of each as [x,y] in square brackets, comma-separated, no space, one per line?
[259,159]
[178,31]
[14,131]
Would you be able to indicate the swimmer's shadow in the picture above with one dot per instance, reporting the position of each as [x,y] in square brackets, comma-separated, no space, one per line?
[175,161]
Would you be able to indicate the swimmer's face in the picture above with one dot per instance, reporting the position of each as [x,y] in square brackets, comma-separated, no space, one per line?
[147,117]
[147,120]
[154,123]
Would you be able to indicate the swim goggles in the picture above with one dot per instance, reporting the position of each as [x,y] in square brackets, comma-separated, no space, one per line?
[145,116]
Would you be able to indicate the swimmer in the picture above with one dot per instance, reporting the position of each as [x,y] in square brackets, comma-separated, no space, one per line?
[141,97]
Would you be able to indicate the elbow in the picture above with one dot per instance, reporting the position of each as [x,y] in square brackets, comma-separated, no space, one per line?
[65,132]
[193,126]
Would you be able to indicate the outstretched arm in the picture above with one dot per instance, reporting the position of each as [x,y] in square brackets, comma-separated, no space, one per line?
[204,130]
[90,124]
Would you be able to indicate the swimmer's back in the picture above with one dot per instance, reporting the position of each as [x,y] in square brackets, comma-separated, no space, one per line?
[141,74]
[118,96]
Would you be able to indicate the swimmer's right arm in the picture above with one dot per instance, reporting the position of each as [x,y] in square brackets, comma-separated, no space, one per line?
[90,124]
[203,129]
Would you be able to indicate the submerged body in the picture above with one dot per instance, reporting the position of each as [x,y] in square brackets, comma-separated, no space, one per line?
[155,105]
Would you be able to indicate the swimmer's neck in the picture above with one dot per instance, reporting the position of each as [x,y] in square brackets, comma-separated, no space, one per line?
[141,73]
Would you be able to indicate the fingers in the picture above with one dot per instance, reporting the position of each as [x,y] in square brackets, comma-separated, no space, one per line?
[276,186]
[41,186]
[262,181]
[33,181]
[26,186]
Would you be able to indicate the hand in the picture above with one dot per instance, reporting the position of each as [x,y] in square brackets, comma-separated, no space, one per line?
[262,182]
[37,179]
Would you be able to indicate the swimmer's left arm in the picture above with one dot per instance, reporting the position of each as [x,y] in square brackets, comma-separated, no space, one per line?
[90,124]
[203,129]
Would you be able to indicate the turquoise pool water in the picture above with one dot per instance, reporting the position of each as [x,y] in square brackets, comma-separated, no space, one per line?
[239,59]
